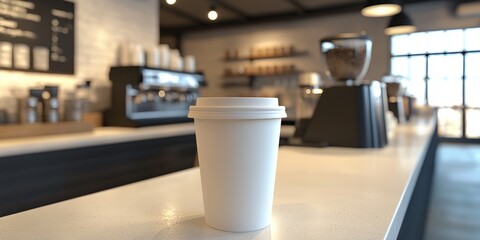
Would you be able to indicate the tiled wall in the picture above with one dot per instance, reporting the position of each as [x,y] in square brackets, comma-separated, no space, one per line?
[99,28]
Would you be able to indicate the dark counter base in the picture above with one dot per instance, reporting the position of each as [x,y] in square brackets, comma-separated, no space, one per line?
[413,225]
[34,180]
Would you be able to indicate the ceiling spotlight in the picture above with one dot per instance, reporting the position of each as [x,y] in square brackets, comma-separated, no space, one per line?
[212,15]
[171,2]
[400,24]
[381,8]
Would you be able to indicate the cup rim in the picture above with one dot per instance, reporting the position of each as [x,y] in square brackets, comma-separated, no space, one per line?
[236,108]
[237,113]
[237,101]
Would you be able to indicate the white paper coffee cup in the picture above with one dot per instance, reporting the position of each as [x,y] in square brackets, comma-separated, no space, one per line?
[237,143]
[189,62]
[164,56]
[137,55]
[153,57]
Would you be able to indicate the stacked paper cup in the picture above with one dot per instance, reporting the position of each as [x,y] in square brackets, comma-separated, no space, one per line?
[164,56]
[137,55]
[237,142]
[154,57]
[124,54]
[176,60]
[189,62]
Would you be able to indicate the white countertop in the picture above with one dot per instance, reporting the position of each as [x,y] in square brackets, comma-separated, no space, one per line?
[323,193]
[99,136]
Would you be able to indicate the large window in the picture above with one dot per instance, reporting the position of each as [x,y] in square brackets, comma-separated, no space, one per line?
[443,68]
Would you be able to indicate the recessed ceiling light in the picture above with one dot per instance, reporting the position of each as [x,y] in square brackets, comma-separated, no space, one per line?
[212,14]
[171,2]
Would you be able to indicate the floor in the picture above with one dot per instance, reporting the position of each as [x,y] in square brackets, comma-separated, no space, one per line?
[454,211]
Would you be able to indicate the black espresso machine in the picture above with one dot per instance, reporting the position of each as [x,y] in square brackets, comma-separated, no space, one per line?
[351,112]
[143,96]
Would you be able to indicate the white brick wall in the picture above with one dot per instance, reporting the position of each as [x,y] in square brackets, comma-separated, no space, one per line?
[101,25]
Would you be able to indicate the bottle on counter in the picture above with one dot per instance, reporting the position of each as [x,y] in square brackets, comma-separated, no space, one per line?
[74,109]
[3,116]
[77,103]
[4,106]
[30,109]
[51,104]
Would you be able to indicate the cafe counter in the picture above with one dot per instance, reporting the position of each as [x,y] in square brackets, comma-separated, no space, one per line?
[41,170]
[99,136]
[35,171]
[320,193]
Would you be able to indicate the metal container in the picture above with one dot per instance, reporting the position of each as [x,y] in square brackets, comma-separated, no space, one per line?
[51,104]
[30,109]
[3,116]
[74,109]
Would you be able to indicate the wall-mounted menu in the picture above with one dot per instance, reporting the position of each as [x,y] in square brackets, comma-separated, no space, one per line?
[37,35]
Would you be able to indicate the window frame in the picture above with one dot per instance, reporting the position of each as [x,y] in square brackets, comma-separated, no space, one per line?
[427,79]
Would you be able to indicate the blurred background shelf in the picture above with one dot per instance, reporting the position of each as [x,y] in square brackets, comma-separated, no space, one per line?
[248,80]
[253,58]
[42,129]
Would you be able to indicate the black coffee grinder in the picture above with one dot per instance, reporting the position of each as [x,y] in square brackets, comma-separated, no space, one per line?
[350,113]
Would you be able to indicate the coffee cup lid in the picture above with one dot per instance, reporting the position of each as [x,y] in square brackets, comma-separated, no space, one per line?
[237,101]
[237,108]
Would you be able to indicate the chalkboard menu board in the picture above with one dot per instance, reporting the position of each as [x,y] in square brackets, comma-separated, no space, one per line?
[37,36]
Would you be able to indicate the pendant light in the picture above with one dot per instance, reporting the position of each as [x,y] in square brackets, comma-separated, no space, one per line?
[381,8]
[400,24]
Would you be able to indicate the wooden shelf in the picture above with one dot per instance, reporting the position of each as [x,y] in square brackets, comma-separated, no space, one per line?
[251,79]
[271,71]
[139,68]
[262,75]
[251,58]
[43,129]
[235,84]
